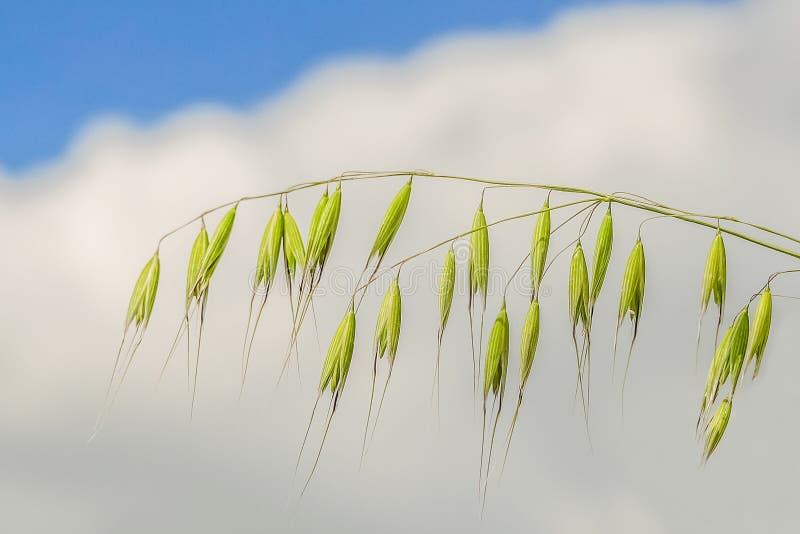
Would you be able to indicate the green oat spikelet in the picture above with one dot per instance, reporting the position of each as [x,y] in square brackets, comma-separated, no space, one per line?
[716,428]
[714,283]
[321,241]
[294,252]
[391,223]
[140,310]
[762,321]
[478,274]
[143,296]
[527,352]
[216,248]
[578,295]
[578,289]
[714,376]
[333,377]
[198,252]
[631,298]
[266,269]
[602,256]
[494,381]
[214,251]
[387,337]
[447,283]
[539,245]
[738,348]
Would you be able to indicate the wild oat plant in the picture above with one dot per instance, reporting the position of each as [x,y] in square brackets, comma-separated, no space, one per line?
[743,342]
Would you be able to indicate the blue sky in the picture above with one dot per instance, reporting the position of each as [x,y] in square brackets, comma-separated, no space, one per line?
[66,62]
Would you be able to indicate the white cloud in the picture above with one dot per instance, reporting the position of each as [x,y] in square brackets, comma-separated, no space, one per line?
[695,106]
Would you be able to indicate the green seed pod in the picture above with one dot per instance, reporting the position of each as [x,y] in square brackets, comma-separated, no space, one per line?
[479,254]
[761,325]
[196,256]
[715,372]
[391,222]
[340,353]
[294,253]
[539,244]
[387,328]
[716,428]
[530,339]
[632,294]
[143,296]
[578,288]
[319,249]
[602,256]
[447,282]
[269,251]
[714,275]
[215,249]
[496,366]
[738,347]
[314,234]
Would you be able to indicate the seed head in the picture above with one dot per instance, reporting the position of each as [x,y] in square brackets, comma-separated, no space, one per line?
[447,282]
[530,339]
[602,256]
[632,294]
[387,328]
[716,428]
[496,367]
[214,252]
[320,247]
[738,347]
[268,252]
[391,222]
[761,325]
[143,296]
[578,288]
[340,353]
[714,275]
[479,254]
[294,253]
[539,244]
[196,256]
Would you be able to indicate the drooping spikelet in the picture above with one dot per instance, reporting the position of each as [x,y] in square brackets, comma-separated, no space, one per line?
[762,320]
[387,337]
[714,275]
[716,428]
[143,296]
[714,283]
[294,252]
[269,251]
[216,248]
[494,380]
[199,248]
[391,222]
[601,259]
[387,328]
[530,339]
[478,275]
[266,270]
[578,289]
[539,245]
[738,347]
[479,254]
[631,297]
[447,283]
[340,353]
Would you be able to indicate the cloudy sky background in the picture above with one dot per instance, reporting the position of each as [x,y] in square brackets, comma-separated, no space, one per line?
[694,105]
